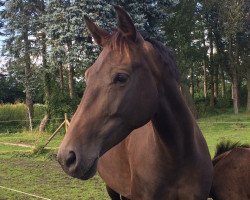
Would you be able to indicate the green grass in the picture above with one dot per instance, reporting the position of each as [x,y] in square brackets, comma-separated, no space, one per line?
[40,174]
[217,128]
[31,138]
[46,179]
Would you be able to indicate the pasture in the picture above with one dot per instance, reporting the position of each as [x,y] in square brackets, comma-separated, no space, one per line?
[39,173]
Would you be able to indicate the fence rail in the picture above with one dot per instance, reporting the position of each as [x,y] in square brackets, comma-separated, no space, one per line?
[27,120]
[17,125]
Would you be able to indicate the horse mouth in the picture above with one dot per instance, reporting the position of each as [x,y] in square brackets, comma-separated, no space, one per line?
[90,172]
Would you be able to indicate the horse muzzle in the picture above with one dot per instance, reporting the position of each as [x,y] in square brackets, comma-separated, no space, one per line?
[76,166]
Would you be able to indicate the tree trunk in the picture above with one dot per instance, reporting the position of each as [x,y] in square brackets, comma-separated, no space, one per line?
[44,122]
[71,75]
[71,82]
[47,77]
[61,76]
[222,56]
[197,83]
[47,85]
[28,75]
[205,67]
[191,89]
[223,85]
[212,98]
[235,91]
[216,81]
[205,80]
[211,46]
[235,78]
[248,89]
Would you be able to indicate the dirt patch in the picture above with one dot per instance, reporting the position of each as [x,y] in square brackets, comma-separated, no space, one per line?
[17,144]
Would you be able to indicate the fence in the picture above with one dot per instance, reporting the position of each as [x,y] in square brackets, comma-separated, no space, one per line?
[13,126]
[65,123]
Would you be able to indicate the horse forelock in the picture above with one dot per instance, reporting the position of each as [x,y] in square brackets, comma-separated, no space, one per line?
[121,43]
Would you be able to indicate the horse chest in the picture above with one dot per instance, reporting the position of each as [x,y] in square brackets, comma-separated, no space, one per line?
[141,168]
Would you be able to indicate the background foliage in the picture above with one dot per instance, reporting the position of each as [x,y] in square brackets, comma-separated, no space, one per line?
[47,48]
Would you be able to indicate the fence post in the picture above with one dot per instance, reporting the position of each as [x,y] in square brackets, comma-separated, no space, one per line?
[65,123]
[53,135]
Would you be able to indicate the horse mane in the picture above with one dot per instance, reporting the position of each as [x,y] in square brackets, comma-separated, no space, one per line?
[225,146]
[118,41]
[166,55]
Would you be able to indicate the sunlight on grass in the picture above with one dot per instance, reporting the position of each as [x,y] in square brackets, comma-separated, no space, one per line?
[38,172]
[225,127]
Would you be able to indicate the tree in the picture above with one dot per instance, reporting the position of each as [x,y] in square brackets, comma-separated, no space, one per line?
[71,45]
[230,12]
[45,71]
[19,19]
[179,35]
[10,89]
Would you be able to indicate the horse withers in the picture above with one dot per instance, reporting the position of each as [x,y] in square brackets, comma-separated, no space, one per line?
[231,178]
[132,124]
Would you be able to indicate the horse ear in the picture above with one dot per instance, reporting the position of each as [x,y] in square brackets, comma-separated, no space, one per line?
[100,35]
[125,23]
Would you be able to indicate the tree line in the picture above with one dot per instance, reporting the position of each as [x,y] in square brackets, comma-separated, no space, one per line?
[47,47]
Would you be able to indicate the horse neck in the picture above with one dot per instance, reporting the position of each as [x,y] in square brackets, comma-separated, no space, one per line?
[218,158]
[173,122]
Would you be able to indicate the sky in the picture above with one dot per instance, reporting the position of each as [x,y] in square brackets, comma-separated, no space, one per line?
[2,59]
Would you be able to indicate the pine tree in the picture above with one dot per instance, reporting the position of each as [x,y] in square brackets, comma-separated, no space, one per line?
[70,42]
[148,16]
[19,19]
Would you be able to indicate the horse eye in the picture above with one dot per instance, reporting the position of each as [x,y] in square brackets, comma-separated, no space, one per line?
[120,78]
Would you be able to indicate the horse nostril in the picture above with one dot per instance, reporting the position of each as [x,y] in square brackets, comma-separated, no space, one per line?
[71,159]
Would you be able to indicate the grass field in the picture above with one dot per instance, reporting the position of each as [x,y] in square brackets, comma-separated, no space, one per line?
[40,174]
[44,178]
[225,127]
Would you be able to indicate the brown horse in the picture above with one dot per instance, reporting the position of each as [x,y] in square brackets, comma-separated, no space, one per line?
[133,124]
[231,178]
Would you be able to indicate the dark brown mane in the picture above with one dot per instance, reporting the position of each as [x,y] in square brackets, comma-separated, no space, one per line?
[119,41]
[225,146]
[166,55]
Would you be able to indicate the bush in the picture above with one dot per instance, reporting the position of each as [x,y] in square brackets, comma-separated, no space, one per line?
[13,117]
[221,105]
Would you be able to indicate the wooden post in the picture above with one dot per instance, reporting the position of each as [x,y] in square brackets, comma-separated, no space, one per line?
[53,135]
[65,123]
